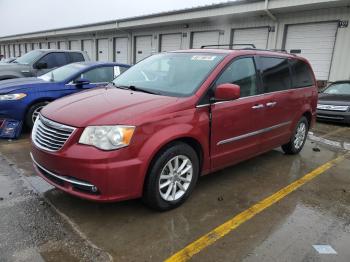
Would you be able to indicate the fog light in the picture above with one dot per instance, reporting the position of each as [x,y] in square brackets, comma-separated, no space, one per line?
[94,189]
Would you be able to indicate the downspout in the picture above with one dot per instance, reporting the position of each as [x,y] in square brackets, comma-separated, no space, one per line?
[274,18]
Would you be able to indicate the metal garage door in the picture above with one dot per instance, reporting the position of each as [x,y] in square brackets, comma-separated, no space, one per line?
[44,45]
[205,38]
[102,49]
[143,47]
[12,53]
[52,45]
[88,47]
[170,42]
[121,50]
[62,45]
[75,45]
[36,46]
[23,49]
[17,54]
[29,47]
[7,51]
[316,42]
[257,36]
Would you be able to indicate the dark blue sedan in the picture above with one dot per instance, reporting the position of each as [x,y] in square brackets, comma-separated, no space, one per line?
[22,99]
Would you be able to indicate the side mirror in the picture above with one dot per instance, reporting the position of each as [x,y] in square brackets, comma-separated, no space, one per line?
[41,65]
[81,82]
[225,92]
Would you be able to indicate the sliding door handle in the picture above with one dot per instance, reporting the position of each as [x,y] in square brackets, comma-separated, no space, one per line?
[259,106]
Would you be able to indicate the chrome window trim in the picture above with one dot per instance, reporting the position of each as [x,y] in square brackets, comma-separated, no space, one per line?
[69,180]
[257,132]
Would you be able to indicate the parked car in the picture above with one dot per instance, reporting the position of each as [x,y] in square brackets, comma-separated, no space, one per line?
[7,60]
[170,118]
[39,62]
[334,103]
[23,98]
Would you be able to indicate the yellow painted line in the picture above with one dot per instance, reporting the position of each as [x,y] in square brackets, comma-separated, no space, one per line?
[222,230]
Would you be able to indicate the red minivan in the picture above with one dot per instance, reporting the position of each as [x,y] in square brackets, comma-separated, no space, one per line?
[173,117]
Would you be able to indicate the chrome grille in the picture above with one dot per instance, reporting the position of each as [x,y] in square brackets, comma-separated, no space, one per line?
[50,135]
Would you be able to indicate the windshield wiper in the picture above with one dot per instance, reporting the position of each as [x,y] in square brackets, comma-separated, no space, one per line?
[137,89]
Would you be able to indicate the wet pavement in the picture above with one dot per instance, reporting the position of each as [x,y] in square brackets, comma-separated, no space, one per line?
[317,213]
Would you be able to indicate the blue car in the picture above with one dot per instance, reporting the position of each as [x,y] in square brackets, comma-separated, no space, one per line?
[22,99]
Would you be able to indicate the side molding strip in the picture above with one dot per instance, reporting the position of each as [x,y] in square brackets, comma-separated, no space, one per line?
[258,132]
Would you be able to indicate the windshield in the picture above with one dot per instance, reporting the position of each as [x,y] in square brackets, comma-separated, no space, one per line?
[338,89]
[29,57]
[62,73]
[173,74]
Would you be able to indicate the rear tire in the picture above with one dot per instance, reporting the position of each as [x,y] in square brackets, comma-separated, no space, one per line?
[33,112]
[297,141]
[172,177]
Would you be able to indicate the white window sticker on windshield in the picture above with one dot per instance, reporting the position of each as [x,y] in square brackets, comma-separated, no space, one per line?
[203,57]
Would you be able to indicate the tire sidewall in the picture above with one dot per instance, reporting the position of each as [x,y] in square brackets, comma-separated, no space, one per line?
[28,119]
[161,160]
[302,120]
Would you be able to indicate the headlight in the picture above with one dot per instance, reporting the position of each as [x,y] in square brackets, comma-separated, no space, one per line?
[107,137]
[12,96]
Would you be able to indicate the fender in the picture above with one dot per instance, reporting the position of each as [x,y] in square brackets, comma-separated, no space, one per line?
[196,131]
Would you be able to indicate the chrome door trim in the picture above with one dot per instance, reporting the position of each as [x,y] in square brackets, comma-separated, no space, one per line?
[258,132]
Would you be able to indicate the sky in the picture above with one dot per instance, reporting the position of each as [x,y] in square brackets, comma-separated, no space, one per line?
[25,16]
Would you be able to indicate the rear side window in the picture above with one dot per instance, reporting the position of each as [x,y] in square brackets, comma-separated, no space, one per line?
[241,72]
[54,60]
[99,75]
[302,75]
[76,57]
[275,74]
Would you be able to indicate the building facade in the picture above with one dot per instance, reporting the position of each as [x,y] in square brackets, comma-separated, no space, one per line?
[316,29]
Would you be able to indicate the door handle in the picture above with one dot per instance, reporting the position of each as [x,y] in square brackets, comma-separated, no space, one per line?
[271,104]
[259,106]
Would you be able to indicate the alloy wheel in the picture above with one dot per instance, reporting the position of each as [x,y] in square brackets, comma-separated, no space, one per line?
[175,178]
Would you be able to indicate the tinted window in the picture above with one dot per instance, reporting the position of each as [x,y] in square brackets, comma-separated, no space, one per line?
[302,75]
[76,57]
[54,60]
[99,75]
[275,74]
[241,72]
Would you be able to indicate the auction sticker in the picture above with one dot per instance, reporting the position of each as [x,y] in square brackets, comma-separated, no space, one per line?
[203,57]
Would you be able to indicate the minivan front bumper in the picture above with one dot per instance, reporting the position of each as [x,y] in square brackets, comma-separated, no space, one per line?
[89,173]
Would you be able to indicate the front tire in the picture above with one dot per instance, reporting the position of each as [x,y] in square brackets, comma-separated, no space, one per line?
[297,141]
[172,177]
[33,113]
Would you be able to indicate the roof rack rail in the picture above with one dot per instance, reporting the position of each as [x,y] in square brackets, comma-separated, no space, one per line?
[229,45]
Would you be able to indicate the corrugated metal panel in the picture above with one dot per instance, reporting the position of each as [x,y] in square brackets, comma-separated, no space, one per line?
[143,47]
[44,45]
[17,53]
[52,45]
[205,38]
[23,48]
[121,50]
[102,50]
[63,45]
[257,36]
[36,46]
[75,45]
[88,46]
[170,42]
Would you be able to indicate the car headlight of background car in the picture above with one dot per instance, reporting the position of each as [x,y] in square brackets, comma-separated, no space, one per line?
[107,137]
[12,97]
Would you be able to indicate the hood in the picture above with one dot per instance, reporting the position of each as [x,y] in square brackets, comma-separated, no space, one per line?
[106,106]
[11,85]
[331,99]
[12,67]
